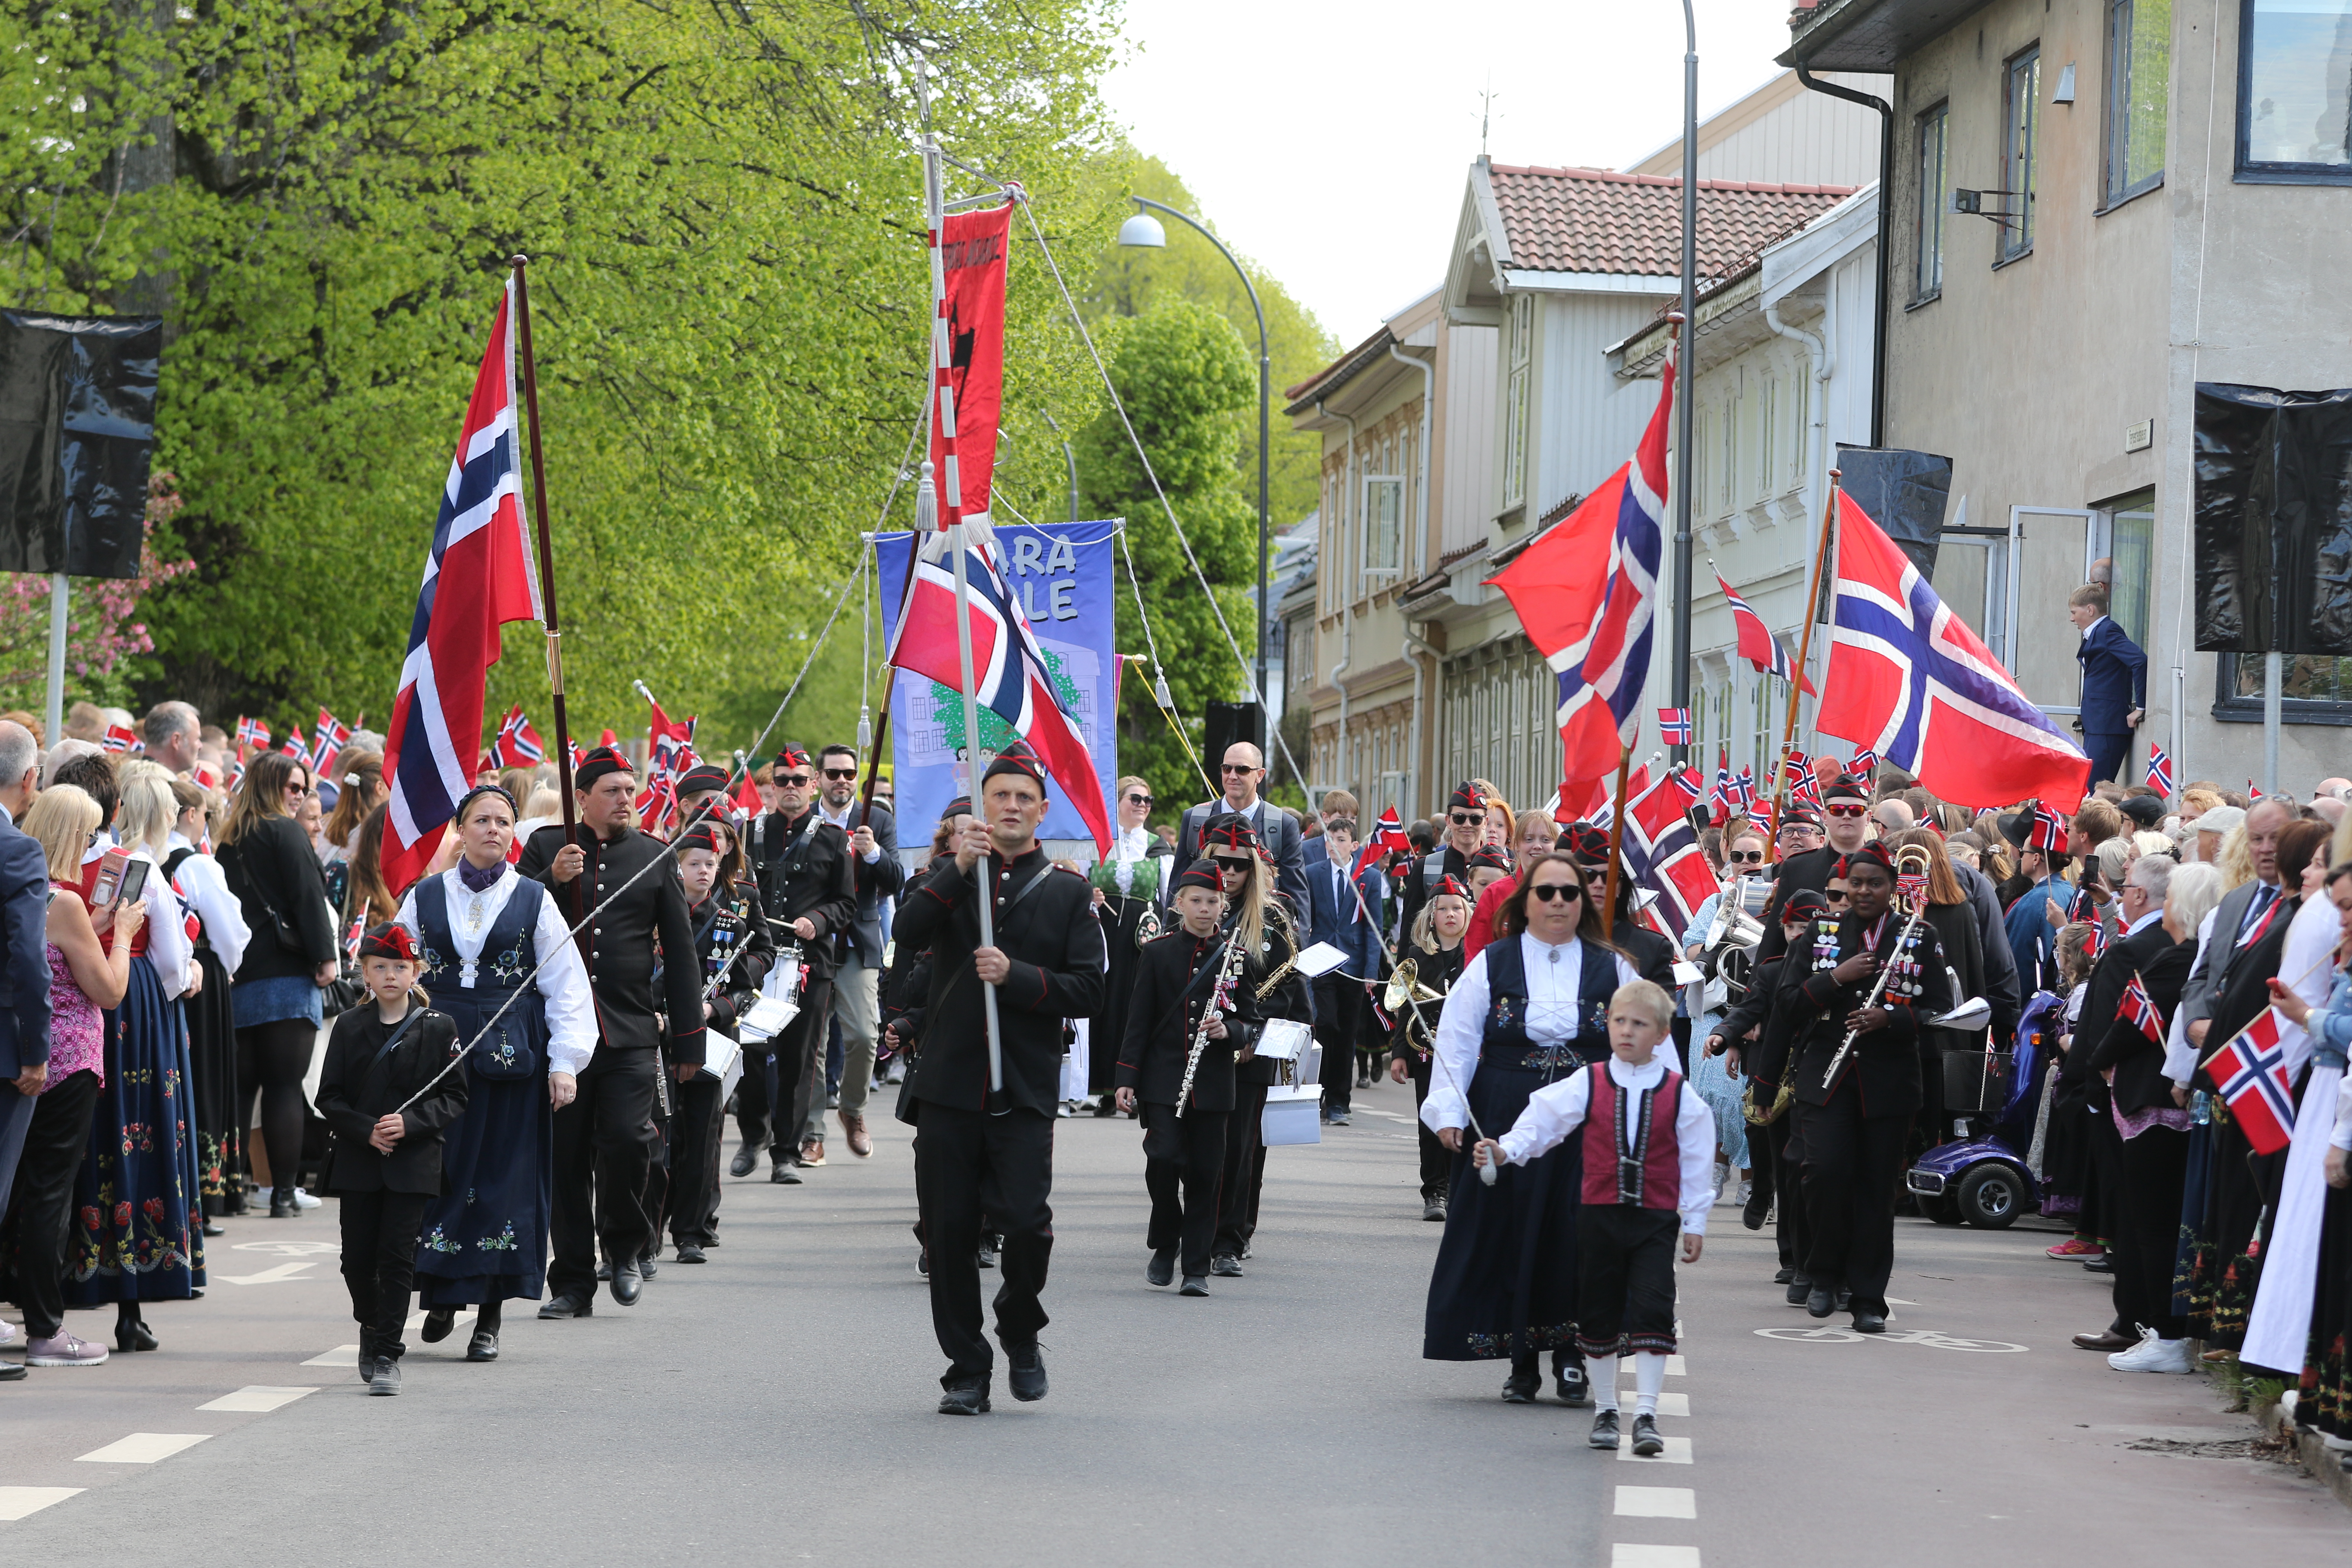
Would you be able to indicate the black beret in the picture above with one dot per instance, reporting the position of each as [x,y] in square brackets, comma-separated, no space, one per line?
[389,942]
[1450,885]
[603,759]
[697,838]
[701,778]
[1017,758]
[1587,842]
[1230,830]
[1466,795]
[1845,786]
[1488,859]
[960,806]
[1804,904]
[1873,853]
[1200,873]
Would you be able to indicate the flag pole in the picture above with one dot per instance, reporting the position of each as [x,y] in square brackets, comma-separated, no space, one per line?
[946,494]
[1804,652]
[546,549]
[1616,842]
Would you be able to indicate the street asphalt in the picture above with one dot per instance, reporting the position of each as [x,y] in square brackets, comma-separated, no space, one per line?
[777,1405]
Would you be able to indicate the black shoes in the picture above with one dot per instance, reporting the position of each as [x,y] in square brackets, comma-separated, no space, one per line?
[1819,1301]
[438,1322]
[1869,1323]
[13,1372]
[133,1334]
[1028,1373]
[628,1283]
[604,1271]
[1572,1386]
[783,1176]
[483,1347]
[987,1250]
[387,1376]
[1161,1270]
[570,1306]
[688,1252]
[2097,1265]
[649,1263]
[1521,1387]
[1647,1444]
[1194,1285]
[1226,1265]
[746,1161]
[967,1396]
[1799,1289]
[1604,1430]
[1433,1208]
[367,1355]
[1783,1277]
[1757,1207]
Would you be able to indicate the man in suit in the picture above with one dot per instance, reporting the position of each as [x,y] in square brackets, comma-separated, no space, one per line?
[873,857]
[24,927]
[1243,771]
[1340,1002]
[1047,964]
[2114,682]
[2242,920]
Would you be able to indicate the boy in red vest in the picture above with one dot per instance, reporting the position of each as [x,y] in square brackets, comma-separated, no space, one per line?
[1648,1172]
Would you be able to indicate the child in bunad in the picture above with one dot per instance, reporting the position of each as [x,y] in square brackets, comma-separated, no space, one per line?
[1649,1155]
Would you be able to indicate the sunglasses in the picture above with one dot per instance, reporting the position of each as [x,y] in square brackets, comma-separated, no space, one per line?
[297,789]
[1231,768]
[1834,897]
[1594,879]
[1551,892]
[1464,819]
[840,773]
[1843,810]
[792,780]
[1134,799]
[1747,856]
[1231,862]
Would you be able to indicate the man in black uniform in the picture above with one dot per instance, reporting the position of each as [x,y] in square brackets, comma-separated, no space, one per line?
[604,1138]
[1465,829]
[734,953]
[978,1148]
[801,865]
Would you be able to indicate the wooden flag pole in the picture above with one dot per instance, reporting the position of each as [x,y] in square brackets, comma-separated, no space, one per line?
[1616,842]
[546,549]
[1804,652]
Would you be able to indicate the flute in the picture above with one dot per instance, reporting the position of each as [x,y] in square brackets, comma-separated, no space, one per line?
[1918,912]
[1219,994]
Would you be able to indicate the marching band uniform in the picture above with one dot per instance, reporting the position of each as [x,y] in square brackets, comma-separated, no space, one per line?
[1129,883]
[1423,875]
[730,938]
[1524,1014]
[1776,994]
[1409,1044]
[1287,996]
[1854,1129]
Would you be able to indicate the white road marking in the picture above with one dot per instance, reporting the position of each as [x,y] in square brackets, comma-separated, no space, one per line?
[276,1276]
[292,1248]
[1675,1366]
[1656,1502]
[1624,1555]
[257,1397]
[1678,1451]
[342,1356]
[143,1447]
[15,1502]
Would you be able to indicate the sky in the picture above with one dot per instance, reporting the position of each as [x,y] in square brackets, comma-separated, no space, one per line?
[1302,125]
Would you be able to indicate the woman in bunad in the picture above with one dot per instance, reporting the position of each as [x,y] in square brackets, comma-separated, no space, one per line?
[499,959]
[220,945]
[138,1204]
[1435,947]
[1531,1008]
[1127,902]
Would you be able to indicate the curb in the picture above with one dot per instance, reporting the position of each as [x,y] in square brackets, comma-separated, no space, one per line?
[2323,1464]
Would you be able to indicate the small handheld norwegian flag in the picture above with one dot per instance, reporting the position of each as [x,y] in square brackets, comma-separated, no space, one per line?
[2253,791]
[1797,766]
[332,736]
[2250,1074]
[2160,770]
[2049,829]
[295,749]
[251,732]
[119,738]
[1675,725]
[2140,1008]
[1864,763]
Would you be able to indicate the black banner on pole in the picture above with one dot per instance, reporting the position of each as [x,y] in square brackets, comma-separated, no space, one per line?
[76,432]
[1905,492]
[2272,538]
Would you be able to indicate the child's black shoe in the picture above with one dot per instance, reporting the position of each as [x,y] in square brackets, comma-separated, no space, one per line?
[1604,1430]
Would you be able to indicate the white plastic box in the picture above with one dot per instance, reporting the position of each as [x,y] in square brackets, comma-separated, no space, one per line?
[1293,1115]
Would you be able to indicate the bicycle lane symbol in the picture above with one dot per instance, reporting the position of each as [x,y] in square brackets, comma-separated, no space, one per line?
[1927,1337]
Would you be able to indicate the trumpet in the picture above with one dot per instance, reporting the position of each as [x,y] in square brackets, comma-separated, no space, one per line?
[1904,857]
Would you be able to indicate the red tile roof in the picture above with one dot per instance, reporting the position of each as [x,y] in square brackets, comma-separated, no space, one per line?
[1596,220]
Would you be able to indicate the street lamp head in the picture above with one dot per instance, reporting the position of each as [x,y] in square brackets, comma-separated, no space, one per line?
[1143,232]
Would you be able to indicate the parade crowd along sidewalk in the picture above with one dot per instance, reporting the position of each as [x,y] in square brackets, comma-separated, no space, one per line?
[195,1034]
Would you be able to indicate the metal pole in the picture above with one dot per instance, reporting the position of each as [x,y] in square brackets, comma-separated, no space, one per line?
[546,549]
[2273,663]
[1682,602]
[57,704]
[1068,456]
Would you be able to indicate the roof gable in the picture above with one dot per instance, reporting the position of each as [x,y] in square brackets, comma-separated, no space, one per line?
[1600,221]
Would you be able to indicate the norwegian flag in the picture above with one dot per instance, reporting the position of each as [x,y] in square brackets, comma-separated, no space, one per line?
[332,736]
[1008,667]
[2048,830]
[2160,770]
[673,754]
[1586,592]
[251,732]
[1661,852]
[119,738]
[1910,681]
[2253,792]
[1757,646]
[1743,788]
[1864,763]
[477,578]
[1675,724]
[1806,789]
[2250,1074]
[519,744]
[1797,765]
[1388,836]
[1720,797]
[747,800]
[1688,781]
[295,749]
[577,753]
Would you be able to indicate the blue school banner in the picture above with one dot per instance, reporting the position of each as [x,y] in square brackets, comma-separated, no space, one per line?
[1061,574]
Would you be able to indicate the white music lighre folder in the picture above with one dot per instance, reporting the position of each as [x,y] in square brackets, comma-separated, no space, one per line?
[1320,960]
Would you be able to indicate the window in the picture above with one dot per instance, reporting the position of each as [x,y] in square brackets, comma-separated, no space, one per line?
[1768,431]
[2020,127]
[2295,92]
[1730,452]
[2139,62]
[1515,401]
[2314,688]
[1800,416]
[1935,141]
[2123,556]
[1383,524]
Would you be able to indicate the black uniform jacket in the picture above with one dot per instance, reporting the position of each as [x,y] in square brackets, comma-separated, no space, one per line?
[1884,1062]
[1409,1042]
[723,923]
[2104,998]
[1175,980]
[2141,1084]
[811,877]
[1813,870]
[618,944]
[1049,933]
[358,1085]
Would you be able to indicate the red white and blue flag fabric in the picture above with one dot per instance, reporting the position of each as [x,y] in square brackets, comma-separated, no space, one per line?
[295,749]
[1661,852]
[2047,831]
[2250,1075]
[1008,667]
[1675,725]
[519,744]
[331,736]
[2253,792]
[1863,764]
[1743,788]
[251,732]
[1720,797]
[478,577]
[1586,592]
[1806,790]
[1796,764]
[2160,770]
[1908,681]
[120,737]
[1757,646]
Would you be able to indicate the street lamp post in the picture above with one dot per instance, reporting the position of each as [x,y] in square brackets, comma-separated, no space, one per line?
[1144,232]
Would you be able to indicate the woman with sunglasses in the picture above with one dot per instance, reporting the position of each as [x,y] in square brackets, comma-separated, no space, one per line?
[1126,900]
[1438,949]
[270,867]
[1530,1009]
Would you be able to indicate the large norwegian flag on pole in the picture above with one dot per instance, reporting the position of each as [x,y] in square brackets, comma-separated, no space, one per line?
[1586,594]
[1909,680]
[478,576]
[1757,646]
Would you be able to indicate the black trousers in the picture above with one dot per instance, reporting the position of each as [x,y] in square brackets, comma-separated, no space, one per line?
[1243,1176]
[781,1074]
[1436,1165]
[55,1142]
[604,1145]
[693,1156]
[2155,1168]
[1785,1138]
[380,1232]
[968,1163]
[1852,1162]
[1625,1278]
[1340,1005]
[1183,1165]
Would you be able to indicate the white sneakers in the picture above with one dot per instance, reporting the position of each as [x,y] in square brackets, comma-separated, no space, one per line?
[2153,1354]
[303,1200]
[63,1349]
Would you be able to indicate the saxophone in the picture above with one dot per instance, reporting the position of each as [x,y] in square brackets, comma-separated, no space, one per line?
[1221,997]
[1280,920]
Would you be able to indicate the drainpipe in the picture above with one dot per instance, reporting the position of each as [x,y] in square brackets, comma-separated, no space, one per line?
[1420,650]
[1347,599]
[1817,352]
[1885,234]
[1420,564]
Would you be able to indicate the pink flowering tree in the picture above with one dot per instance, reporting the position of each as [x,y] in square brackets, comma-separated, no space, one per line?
[104,636]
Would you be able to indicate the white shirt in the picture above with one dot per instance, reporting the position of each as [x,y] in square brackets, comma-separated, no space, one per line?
[842,822]
[1552,990]
[1128,848]
[208,895]
[2180,1056]
[168,948]
[2092,627]
[1559,1108]
[2305,968]
[562,978]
